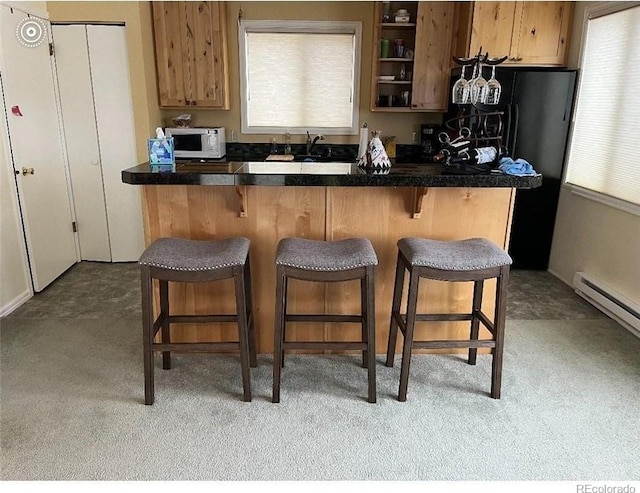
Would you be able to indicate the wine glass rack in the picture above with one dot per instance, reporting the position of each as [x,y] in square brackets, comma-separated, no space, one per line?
[484,124]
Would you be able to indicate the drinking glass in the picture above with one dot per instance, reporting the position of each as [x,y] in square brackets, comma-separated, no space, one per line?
[494,89]
[478,87]
[460,92]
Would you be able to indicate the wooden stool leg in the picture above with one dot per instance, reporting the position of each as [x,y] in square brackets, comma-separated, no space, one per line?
[365,319]
[499,321]
[248,297]
[395,310]
[166,331]
[284,314]
[281,296]
[147,328]
[243,332]
[412,302]
[475,321]
[370,311]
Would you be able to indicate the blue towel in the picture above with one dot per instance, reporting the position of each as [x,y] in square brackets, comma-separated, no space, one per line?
[519,167]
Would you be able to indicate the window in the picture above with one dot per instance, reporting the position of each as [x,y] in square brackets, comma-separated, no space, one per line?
[299,76]
[605,144]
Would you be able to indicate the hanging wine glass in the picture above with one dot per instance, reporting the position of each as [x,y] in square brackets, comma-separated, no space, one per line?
[460,91]
[494,89]
[478,87]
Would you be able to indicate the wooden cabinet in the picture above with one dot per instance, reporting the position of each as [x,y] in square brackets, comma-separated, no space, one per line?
[432,68]
[419,80]
[191,54]
[529,33]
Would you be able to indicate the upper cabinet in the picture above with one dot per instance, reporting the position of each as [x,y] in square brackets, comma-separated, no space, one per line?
[191,54]
[412,59]
[529,33]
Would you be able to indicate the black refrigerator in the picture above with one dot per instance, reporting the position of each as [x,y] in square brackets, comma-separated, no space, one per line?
[537,105]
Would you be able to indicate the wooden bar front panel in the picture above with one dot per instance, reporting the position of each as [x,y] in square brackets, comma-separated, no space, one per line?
[383,215]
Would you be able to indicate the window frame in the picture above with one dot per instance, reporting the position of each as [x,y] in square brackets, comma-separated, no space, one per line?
[600,9]
[300,26]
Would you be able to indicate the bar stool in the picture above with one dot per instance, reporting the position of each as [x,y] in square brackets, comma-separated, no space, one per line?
[475,259]
[326,261]
[182,260]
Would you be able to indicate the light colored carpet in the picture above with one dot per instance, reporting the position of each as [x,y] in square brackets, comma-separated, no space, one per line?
[72,393]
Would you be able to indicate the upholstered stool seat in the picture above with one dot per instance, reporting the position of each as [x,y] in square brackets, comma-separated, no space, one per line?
[188,255]
[326,261]
[474,259]
[326,255]
[463,255]
[183,260]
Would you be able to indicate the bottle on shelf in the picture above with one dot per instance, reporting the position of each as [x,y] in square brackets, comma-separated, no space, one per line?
[287,143]
[386,12]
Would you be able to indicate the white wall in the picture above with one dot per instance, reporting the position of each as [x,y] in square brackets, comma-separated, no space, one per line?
[14,274]
[592,237]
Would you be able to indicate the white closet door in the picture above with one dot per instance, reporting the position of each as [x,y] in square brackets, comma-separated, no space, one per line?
[116,137]
[36,143]
[81,134]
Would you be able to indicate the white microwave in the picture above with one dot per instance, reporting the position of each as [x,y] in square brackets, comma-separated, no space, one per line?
[198,143]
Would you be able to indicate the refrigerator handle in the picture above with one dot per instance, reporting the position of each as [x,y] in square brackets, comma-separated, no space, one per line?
[516,117]
[507,131]
[567,106]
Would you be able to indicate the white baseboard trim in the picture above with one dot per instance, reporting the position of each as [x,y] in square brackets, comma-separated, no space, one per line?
[555,274]
[16,302]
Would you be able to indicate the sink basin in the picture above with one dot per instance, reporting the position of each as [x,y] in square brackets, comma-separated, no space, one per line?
[313,158]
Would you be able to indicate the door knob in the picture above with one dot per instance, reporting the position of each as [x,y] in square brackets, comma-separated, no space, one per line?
[27,171]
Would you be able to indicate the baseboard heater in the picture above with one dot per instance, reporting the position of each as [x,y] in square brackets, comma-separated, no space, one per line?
[605,299]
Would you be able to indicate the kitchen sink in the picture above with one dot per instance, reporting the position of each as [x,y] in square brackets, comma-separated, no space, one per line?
[313,158]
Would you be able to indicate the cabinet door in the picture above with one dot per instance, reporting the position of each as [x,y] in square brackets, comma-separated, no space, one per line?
[81,136]
[431,70]
[116,138]
[492,28]
[171,53]
[207,48]
[541,37]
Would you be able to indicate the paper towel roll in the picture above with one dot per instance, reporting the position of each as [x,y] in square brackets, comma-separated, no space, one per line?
[364,142]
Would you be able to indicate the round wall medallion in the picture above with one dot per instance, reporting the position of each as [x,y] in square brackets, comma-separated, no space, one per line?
[31,32]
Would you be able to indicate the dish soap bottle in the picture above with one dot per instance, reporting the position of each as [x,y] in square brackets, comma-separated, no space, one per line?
[287,143]
[274,146]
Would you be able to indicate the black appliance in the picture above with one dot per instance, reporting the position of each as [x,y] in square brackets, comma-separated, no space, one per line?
[429,144]
[537,105]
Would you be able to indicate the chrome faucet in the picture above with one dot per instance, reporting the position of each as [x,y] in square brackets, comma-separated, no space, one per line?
[311,143]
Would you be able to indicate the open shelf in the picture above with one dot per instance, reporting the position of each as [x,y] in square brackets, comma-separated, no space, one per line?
[400,60]
[398,24]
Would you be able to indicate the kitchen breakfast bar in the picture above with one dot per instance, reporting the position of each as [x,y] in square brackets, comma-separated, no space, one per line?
[268,201]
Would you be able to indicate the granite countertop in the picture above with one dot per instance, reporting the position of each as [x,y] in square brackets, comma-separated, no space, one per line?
[317,174]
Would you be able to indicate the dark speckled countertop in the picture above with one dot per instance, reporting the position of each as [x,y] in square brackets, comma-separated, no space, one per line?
[317,174]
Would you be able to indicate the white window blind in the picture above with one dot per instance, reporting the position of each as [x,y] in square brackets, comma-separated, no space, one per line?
[300,75]
[604,154]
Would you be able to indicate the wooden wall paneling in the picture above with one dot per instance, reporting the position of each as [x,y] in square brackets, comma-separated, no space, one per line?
[200,212]
[382,214]
[448,214]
